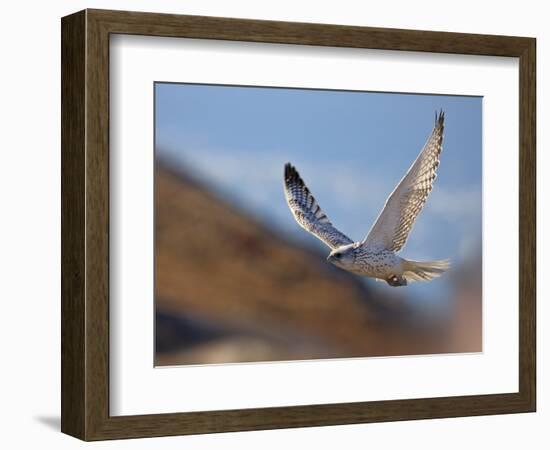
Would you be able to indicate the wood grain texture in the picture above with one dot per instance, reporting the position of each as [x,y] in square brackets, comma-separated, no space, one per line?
[152,24]
[73,225]
[85,224]
[97,225]
[527,224]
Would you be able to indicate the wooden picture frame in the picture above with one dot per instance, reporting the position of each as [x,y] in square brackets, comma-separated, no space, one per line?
[85,224]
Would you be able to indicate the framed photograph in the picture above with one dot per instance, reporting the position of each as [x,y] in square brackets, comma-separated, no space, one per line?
[272,224]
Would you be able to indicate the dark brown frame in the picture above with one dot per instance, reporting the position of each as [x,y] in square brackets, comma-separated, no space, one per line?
[85,224]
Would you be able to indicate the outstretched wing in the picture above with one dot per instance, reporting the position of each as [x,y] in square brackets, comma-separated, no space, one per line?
[308,213]
[395,222]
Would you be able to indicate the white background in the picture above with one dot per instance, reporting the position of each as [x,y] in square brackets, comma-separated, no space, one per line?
[136,387]
[30,237]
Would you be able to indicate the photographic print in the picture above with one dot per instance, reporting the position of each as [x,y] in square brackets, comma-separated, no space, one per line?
[302,224]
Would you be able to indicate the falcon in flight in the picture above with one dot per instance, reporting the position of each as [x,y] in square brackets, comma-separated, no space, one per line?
[376,255]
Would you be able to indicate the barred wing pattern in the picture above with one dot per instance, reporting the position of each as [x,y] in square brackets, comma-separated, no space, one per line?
[395,222]
[307,211]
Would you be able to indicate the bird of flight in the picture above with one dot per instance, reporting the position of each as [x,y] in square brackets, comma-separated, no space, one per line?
[376,255]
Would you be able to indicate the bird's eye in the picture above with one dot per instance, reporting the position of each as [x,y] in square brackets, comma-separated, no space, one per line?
[338,255]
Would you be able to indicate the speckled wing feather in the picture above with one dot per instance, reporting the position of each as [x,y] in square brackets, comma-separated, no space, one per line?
[308,213]
[395,222]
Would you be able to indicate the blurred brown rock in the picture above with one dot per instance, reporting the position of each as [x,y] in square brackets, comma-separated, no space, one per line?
[230,290]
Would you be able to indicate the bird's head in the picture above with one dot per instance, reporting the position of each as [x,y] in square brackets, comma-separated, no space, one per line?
[343,257]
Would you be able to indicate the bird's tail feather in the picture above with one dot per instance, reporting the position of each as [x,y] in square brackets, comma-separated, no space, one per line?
[424,270]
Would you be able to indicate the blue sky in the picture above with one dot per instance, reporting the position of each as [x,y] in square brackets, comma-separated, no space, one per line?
[351,148]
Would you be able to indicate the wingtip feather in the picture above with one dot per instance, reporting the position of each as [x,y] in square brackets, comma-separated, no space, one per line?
[292,176]
[290,171]
[440,118]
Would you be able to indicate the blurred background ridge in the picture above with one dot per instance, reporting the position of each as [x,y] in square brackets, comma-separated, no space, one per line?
[230,289]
